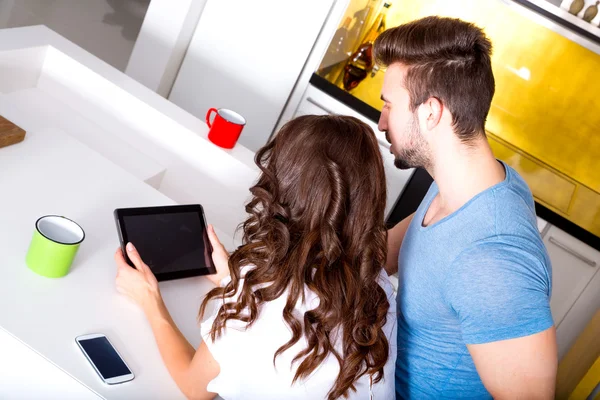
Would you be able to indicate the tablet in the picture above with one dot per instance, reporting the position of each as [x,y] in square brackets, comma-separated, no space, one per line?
[172,240]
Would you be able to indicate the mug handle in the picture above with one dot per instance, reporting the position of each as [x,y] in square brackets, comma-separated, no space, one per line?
[210,111]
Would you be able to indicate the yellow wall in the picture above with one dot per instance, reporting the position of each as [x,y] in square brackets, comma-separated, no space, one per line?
[546,125]
[586,387]
[575,366]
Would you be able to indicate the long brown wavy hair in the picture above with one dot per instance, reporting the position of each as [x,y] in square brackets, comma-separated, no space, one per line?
[317,222]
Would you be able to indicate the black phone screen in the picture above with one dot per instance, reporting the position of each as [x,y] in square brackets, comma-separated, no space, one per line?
[104,357]
[172,241]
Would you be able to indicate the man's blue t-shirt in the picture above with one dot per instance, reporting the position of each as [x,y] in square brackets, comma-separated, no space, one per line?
[480,275]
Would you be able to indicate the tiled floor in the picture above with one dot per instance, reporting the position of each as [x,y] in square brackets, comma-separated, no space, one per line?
[105,28]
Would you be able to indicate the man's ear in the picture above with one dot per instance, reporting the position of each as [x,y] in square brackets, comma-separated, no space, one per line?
[430,113]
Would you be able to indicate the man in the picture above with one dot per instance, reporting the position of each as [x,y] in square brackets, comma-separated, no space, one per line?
[474,277]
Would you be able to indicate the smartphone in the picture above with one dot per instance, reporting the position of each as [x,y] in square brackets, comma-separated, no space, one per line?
[105,359]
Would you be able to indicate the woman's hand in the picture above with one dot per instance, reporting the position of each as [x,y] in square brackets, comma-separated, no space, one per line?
[220,257]
[139,283]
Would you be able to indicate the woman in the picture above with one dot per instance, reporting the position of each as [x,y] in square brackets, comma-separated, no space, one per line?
[303,306]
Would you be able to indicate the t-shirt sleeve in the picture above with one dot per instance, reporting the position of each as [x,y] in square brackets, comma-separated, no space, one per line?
[499,292]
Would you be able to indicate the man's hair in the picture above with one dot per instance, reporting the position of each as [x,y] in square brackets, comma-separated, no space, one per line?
[448,59]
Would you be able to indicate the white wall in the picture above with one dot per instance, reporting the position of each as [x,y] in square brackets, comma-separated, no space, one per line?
[339,9]
[162,42]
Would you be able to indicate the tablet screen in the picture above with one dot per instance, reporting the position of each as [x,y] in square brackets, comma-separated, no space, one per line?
[172,244]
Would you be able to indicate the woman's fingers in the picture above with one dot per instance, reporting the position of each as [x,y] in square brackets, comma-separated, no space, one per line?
[122,266]
[134,256]
[214,239]
[119,259]
[124,270]
[139,283]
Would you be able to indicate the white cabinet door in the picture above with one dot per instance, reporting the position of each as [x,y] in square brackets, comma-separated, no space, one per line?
[580,314]
[316,102]
[573,266]
[541,224]
[247,56]
[308,106]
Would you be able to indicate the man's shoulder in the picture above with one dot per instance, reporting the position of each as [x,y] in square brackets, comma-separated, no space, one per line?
[501,247]
[504,257]
[499,291]
[513,207]
[495,272]
[514,195]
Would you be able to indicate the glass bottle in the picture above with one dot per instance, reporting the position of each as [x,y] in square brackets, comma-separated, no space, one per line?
[591,12]
[361,18]
[576,7]
[337,52]
[361,61]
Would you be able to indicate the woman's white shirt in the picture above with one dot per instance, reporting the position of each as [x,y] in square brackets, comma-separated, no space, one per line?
[245,356]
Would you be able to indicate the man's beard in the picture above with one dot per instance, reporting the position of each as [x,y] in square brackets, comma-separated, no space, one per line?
[407,159]
[416,156]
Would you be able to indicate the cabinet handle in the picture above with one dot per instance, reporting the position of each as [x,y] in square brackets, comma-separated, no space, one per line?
[572,252]
[327,110]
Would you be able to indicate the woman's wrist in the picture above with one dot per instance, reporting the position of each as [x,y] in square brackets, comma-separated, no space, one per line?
[224,279]
[154,307]
[217,279]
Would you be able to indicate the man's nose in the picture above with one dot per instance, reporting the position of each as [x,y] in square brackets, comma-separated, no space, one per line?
[381,125]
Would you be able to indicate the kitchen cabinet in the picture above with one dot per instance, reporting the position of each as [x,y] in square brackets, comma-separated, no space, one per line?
[542,224]
[317,102]
[575,285]
[573,266]
[579,314]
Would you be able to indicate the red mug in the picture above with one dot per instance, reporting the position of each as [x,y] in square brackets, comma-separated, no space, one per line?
[225,128]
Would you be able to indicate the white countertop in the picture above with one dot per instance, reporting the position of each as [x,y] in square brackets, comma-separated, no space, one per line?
[96,140]
[52,173]
[24,374]
[54,83]
[46,53]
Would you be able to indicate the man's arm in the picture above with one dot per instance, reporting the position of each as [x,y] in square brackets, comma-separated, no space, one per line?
[394,241]
[501,296]
[521,368]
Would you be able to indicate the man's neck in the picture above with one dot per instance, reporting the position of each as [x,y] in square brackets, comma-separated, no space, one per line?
[463,171]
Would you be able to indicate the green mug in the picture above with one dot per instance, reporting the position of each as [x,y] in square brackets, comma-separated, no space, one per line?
[54,245]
